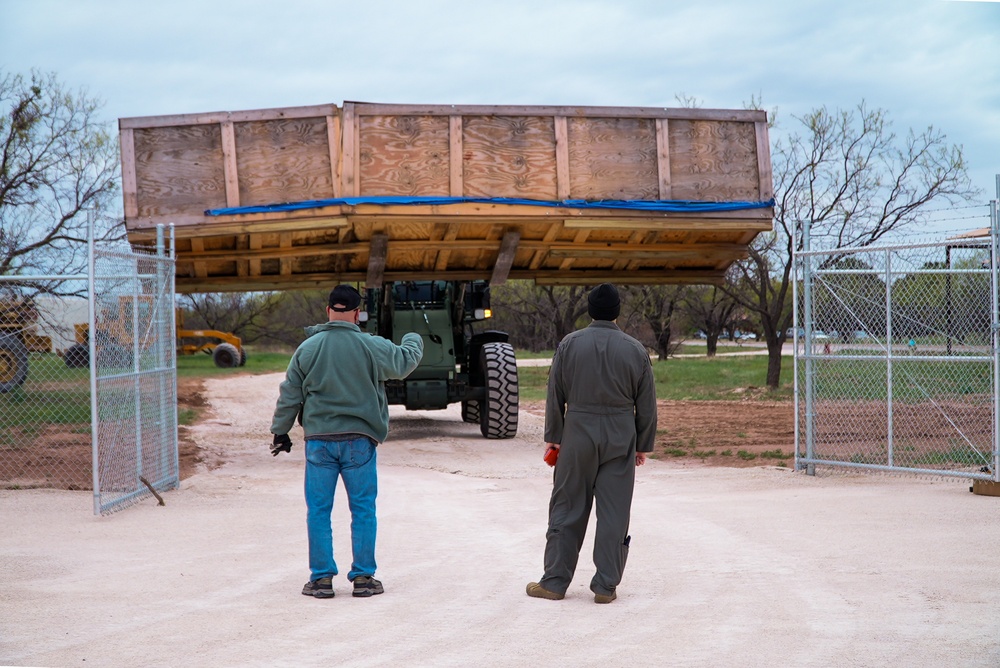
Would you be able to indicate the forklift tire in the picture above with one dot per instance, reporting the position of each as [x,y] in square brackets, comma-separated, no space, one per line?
[226,356]
[77,356]
[13,362]
[470,412]
[498,413]
[243,356]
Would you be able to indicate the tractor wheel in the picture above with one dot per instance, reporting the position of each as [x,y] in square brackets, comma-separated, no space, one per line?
[243,356]
[13,362]
[498,413]
[77,356]
[470,412]
[226,356]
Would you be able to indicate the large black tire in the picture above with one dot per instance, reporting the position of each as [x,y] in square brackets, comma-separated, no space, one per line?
[470,412]
[226,356]
[498,413]
[243,356]
[13,362]
[77,356]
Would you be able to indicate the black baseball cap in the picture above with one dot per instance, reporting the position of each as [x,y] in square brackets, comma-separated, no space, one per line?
[344,298]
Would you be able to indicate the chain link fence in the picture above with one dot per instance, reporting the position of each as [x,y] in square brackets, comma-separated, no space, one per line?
[896,358]
[109,426]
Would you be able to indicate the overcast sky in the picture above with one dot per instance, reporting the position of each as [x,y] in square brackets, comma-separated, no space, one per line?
[927,62]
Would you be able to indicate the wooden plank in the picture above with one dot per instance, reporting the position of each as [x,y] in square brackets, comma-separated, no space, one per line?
[539,256]
[562,158]
[284,160]
[713,161]
[505,258]
[613,158]
[403,156]
[197,228]
[256,244]
[349,183]
[229,164]
[216,117]
[581,236]
[509,156]
[663,157]
[675,224]
[285,263]
[242,264]
[456,164]
[441,261]
[200,268]
[382,109]
[129,193]
[764,161]
[376,261]
[333,137]
[178,171]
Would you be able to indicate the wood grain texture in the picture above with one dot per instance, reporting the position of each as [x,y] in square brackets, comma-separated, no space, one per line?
[510,156]
[127,147]
[613,158]
[404,156]
[178,170]
[283,161]
[714,161]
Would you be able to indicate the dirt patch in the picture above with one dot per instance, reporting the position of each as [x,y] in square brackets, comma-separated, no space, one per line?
[60,456]
[720,433]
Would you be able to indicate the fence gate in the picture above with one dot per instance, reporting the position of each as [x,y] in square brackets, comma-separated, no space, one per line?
[114,429]
[896,364]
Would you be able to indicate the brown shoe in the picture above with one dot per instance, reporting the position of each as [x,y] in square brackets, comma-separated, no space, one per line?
[605,598]
[536,590]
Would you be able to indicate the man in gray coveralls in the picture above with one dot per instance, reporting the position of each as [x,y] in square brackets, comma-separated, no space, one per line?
[601,416]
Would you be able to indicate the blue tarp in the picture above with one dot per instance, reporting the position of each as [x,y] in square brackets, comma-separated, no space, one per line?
[631,205]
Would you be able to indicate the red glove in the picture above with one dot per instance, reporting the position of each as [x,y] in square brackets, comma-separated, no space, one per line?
[551,455]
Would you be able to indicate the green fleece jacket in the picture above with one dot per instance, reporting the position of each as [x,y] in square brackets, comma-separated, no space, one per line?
[337,376]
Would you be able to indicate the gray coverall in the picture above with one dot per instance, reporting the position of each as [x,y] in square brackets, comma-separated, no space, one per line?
[601,409]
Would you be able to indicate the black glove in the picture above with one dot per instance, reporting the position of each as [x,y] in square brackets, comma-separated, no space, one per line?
[281,443]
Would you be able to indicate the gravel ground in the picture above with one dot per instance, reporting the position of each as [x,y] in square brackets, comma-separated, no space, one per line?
[728,567]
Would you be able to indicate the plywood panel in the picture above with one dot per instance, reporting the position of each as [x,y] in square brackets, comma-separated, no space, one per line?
[178,169]
[404,156]
[510,156]
[284,160]
[713,161]
[613,158]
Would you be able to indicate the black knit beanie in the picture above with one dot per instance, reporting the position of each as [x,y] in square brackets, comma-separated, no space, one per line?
[603,302]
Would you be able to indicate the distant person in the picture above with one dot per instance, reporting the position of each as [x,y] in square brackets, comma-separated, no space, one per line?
[600,421]
[335,385]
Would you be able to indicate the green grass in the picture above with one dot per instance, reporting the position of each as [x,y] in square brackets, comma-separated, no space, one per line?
[690,378]
[201,365]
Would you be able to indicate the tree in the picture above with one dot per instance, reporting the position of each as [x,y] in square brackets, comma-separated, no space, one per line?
[242,313]
[58,164]
[659,308]
[853,181]
[712,310]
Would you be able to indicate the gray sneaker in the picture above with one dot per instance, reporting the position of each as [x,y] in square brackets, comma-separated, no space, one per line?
[365,585]
[322,588]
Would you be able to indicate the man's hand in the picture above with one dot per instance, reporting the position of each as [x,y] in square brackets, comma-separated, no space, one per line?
[640,458]
[551,453]
[281,443]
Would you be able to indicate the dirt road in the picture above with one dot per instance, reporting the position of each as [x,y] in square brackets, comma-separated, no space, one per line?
[729,567]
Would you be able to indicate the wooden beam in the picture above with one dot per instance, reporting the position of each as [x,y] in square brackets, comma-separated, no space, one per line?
[674,224]
[663,158]
[562,158]
[255,245]
[505,258]
[129,186]
[376,260]
[175,120]
[349,175]
[200,268]
[229,164]
[333,137]
[456,160]
[683,113]
[285,263]
[581,237]
[764,161]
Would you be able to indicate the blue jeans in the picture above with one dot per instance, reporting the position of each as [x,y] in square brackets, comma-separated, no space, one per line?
[354,461]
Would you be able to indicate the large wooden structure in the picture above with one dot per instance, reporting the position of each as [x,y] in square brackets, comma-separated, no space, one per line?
[411,192]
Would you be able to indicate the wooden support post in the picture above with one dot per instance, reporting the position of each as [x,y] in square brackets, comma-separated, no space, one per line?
[508,247]
[376,260]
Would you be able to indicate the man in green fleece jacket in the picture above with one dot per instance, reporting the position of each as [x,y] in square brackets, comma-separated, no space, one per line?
[336,383]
